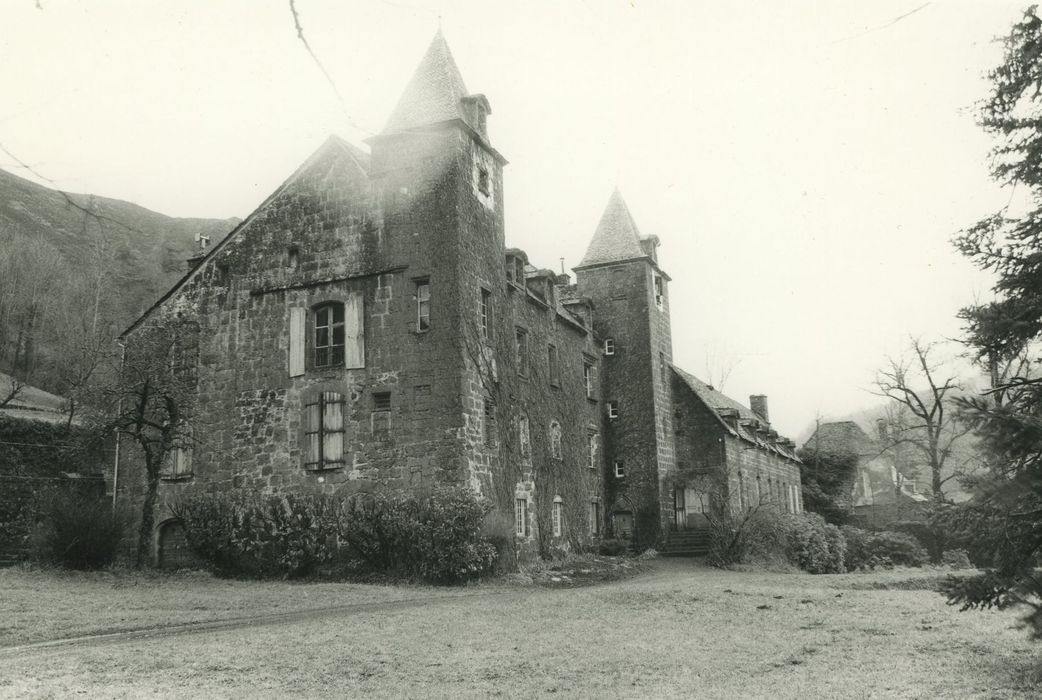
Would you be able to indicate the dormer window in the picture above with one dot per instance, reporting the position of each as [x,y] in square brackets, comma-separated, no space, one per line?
[516,270]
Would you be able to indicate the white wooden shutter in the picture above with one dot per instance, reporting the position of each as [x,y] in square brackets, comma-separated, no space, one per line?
[297,331]
[354,331]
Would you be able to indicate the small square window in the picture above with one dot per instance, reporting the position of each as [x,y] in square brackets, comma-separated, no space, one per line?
[620,469]
[613,409]
[609,346]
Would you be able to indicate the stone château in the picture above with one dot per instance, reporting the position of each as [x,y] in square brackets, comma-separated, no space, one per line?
[367,327]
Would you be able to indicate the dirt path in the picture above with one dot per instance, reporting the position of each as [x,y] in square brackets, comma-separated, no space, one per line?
[133,634]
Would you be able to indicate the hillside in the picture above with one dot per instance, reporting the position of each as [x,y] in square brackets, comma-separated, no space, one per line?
[59,264]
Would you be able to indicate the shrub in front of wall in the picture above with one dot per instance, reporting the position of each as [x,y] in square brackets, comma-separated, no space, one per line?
[756,536]
[77,530]
[612,548]
[446,545]
[436,537]
[254,535]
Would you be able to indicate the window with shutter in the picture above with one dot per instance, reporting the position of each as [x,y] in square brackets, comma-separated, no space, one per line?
[324,431]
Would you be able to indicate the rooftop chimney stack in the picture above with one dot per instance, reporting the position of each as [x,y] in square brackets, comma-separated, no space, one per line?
[758,402]
[881,429]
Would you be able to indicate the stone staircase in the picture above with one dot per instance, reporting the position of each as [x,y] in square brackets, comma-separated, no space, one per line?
[686,543]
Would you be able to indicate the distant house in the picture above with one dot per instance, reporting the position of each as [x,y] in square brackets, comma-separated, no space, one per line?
[882,490]
[39,448]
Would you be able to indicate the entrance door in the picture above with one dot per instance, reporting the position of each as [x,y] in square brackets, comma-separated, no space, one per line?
[679,511]
[697,505]
[622,524]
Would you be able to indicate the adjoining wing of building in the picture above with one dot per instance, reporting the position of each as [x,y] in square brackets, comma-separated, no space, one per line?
[367,328]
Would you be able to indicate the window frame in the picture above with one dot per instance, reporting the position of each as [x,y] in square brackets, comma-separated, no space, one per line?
[521,516]
[595,517]
[619,467]
[555,435]
[485,314]
[321,399]
[589,377]
[332,306]
[613,410]
[521,354]
[553,363]
[557,516]
[609,346]
[593,448]
[489,424]
[422,303]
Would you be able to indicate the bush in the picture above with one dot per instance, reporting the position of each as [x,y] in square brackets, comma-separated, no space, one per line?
[437,537]
[253,535]
[78,530]
[765,536]
[956,559]
[867,550]
[434,537]
[612,548]
[815,546]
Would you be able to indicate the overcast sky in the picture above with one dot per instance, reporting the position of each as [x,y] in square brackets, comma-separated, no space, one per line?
[805,164]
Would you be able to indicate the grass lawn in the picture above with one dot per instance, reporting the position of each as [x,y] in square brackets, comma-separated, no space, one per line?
[679,630]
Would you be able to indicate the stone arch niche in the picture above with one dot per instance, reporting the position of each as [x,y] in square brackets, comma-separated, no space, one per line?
[172,550]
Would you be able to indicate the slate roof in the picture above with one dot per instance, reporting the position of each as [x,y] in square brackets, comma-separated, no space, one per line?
[719,402]
[616,237]
[31,403]
[433,94]
[843,438]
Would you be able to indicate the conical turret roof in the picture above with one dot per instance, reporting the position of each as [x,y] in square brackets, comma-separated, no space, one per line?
[616,237]
[433,94]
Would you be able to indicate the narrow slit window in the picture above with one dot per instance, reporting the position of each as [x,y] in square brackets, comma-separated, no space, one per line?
[557,516]
[423,305]
[486,314]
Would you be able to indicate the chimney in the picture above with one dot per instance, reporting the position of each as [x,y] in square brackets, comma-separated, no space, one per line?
[758,402]
[204,243]
[881,428]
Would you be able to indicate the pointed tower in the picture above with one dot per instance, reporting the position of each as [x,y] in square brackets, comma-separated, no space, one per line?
[437,185]
[621,274]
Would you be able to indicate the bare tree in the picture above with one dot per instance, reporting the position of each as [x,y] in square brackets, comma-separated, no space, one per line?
[923,418]
[150,399]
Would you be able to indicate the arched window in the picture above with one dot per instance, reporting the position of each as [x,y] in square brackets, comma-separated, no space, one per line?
[557,515]
[555,440]
[329,334]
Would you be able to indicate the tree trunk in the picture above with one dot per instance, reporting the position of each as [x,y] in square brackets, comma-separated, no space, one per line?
[148,519]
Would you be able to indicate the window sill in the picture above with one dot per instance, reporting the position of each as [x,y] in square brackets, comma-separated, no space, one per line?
[176,477]
[323,469]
